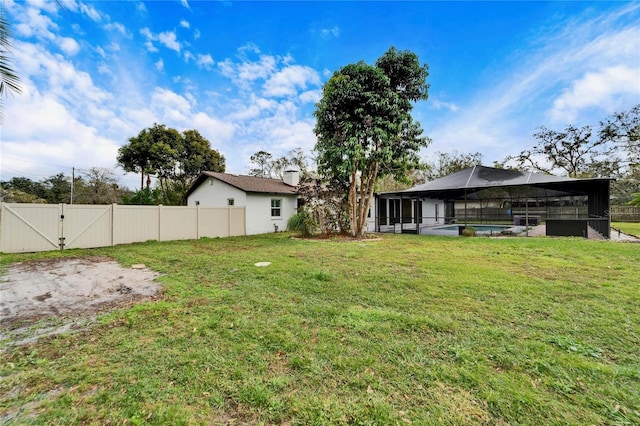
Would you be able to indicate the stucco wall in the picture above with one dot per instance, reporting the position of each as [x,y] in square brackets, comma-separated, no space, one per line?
[214,193]
[259,220]
[429,212]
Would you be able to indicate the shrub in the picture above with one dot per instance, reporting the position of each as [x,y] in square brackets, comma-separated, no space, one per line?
[469,231]
[301,223]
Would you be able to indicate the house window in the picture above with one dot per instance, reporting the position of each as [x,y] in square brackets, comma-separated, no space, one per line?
[230,201]
[275,207]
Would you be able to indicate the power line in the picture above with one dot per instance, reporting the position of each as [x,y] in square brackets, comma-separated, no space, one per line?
[37,162]
[19,173]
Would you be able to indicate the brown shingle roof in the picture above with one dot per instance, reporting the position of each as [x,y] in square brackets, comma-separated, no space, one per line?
[247,183]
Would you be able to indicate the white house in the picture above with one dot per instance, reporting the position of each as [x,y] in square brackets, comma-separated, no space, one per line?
[268,203]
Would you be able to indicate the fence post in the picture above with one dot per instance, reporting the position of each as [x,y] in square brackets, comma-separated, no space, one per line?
[197,221]
[61,226]
[159,222]
[113,222]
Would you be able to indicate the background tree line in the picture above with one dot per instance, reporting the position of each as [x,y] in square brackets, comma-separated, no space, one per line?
[94,186]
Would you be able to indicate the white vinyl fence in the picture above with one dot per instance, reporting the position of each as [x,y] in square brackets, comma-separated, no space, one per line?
[43,227]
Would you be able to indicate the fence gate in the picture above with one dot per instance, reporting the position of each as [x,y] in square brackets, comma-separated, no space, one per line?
[85,226]
[30,227]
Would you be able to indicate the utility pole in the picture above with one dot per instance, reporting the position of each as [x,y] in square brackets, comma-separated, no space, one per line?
[73,178]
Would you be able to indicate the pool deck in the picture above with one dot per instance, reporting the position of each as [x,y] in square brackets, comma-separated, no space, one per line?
[541,231]
[536,231]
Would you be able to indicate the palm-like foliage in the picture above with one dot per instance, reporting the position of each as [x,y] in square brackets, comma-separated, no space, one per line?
[9,80]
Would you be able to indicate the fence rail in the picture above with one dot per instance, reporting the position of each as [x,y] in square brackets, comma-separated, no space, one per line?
[43,227]
[625,213]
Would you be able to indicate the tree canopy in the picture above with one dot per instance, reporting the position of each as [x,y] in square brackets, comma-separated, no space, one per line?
[264,165]
[611,150]
[174,158]
[365,129]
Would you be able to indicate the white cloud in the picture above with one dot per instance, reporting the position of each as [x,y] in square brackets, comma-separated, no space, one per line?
[77,112]
[289,80]
[184,24]
[169,106]
[205,61]
[244,73]
[56,138]
[591,60]
[217,131]
[117,27]
[34,24]
[185,3]
[168,39]
[113,47]
[250,71]
[295,134]
[68,45]
[147,33]
[252,108]
[330,32]
[141,8]
[437,104]
[599,88]
[150,47]
[91,12]
[311,96]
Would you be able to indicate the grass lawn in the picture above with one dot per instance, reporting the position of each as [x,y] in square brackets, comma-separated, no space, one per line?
[628,228]
[405,330]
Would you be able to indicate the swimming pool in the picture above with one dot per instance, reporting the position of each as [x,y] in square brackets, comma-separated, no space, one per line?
[480,229]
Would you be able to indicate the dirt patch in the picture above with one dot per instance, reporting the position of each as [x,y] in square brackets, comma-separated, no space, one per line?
[51,296]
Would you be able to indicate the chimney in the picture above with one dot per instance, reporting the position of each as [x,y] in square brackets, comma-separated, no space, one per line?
[291,177]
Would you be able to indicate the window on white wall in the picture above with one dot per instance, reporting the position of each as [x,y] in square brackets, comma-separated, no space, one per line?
[230,201]
[275,207]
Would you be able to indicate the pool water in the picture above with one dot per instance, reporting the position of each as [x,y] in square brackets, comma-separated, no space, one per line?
[480,229]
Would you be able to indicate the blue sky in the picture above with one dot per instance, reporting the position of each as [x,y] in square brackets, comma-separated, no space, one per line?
[247,74]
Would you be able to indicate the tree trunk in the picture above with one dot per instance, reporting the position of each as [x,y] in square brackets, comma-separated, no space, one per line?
[353,202]
[367,185]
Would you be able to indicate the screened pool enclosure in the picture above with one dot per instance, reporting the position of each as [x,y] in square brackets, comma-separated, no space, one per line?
[485,195]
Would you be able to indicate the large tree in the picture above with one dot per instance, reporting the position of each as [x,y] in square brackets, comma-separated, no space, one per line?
[264,165]
[137,156]
[613,150]
[622,130]
[58,189]
[261,163]
[446,163]
[573,152]
[365,129]
[174,158]
[98,186]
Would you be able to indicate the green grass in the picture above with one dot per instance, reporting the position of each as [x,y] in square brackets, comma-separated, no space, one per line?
[628,228]
[406,330]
